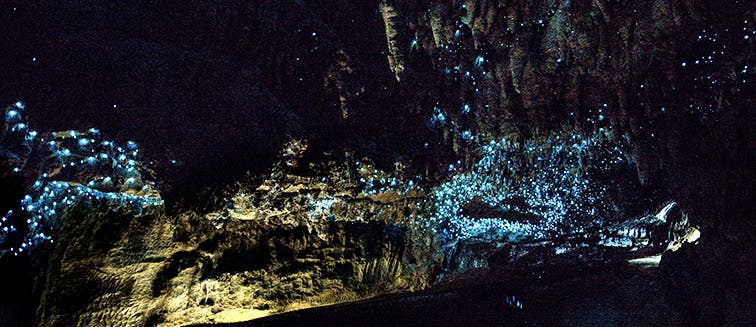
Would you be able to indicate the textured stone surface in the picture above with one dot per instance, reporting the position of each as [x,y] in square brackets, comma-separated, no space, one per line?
[414,86]
[289,243]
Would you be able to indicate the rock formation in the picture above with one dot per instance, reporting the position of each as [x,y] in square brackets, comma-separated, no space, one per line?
[295,154]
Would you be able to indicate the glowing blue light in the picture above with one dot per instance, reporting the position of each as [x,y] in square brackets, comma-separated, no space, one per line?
[438,117]
[466,108]
[479,60]
[51,200]
[20,105]
[11,114]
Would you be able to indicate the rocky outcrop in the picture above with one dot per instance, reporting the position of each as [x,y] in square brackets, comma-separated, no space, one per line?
[494,135]
[667,77]
[109,252]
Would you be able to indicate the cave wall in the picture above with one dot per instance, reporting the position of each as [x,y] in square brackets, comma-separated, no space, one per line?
[421,82]
[192,82]
[198,82]
[668,77]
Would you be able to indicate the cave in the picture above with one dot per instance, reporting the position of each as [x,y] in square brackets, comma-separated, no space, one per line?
[378,162]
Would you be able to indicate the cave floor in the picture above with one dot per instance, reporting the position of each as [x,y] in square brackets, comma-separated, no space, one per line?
[612,295]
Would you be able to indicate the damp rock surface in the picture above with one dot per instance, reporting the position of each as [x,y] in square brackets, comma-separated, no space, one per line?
[303,153]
